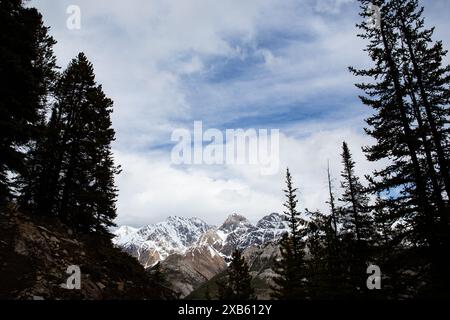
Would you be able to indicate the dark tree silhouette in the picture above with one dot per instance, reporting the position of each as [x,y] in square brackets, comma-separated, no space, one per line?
[74,168]
[357,233]
[237,283]
[409,94]
[291,268]
[354,210]
[88,194]
[27,71]
[325,265]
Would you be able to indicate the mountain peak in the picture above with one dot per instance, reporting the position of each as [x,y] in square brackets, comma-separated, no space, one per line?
[179,219]
[273,220]
[125,230]
[159,240]
[234,221]
[236,217]
[177,235]
[176,219]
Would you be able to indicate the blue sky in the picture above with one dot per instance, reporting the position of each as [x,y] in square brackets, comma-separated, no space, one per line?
[231,64]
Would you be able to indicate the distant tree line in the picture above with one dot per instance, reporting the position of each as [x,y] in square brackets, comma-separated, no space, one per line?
[400,220]
[55,128]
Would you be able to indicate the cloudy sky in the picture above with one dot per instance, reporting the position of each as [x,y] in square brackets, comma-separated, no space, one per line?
[262,64]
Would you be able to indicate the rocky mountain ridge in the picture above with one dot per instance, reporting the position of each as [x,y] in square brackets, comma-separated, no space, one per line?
[153,243]
[178,235]
[191,252]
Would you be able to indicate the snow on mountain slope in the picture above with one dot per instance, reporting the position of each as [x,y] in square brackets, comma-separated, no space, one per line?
[125,234]
[191,251]
[238,233]
[176,235]
[156,242]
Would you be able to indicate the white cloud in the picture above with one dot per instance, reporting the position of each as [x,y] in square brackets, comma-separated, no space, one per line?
[331,6]
[152,188]
[154,59]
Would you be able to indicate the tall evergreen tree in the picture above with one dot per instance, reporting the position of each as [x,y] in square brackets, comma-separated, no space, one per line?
[75,178]
[332,203]
[354,210]
[430,81]
[40,189]
[27,71]
[355,220]
[392,124]
[325,265]
[291,269]
[88,193]
[410,96]
[237,283]
[293,216]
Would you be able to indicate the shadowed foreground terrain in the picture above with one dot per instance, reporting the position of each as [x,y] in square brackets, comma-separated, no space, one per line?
[34,260]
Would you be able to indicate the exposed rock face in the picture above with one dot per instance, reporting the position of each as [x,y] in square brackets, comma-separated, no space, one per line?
[268,229]
[234,222]
[260,260]
[186,272]
[35,253]
[233,231]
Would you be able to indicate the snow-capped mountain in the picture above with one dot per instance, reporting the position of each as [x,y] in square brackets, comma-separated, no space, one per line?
[192,252]
[243,234]
[156,242]
[238,233]
[178,235]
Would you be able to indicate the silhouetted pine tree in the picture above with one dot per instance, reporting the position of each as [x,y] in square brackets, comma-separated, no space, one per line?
[40,191]
[237,283]
[325,265]
[333,237]
[324,272]
[291,269]
[27,71]
[80,137]
[392,124]
[354,211]
[331,201]
[293,216]
[410,125]
[428,84]
[356,224]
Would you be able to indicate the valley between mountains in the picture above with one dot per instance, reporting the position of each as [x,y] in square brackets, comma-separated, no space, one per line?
[193,253]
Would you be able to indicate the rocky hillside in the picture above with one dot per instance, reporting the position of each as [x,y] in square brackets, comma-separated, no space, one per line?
[185,272]
[35,253]
[192,252]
